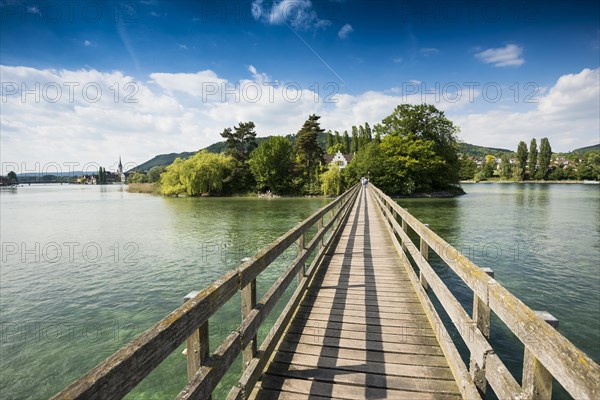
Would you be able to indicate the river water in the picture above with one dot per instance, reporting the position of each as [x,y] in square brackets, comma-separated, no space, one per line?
[87,268]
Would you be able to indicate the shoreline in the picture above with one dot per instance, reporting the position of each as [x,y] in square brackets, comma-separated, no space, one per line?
[528,182]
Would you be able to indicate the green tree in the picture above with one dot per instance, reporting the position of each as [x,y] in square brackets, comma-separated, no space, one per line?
[155,172]
[202,173]
[338,139]
[330,142]
[487,167]
[590,167]
[468,168]
[335,148]
[346,143]
[171,181]
[241,140]
[308,150]
[544,158]
[533,159]
[367,162]
[331,181]
[368,132]
[355,143]
[272,165]
[522,155]
[362,137]
[506,171]
[428,124]
[12,177]
[377,138]
[137,177]
[409,164]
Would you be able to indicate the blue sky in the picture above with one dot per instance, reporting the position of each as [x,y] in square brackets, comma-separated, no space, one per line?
[367,55]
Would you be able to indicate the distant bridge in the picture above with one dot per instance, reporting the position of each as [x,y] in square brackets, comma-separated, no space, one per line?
[359,325]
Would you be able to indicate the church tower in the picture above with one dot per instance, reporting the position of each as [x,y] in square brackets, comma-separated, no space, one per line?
[120,173]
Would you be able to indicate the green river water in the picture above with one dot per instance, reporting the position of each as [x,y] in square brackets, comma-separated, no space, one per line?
[87,268]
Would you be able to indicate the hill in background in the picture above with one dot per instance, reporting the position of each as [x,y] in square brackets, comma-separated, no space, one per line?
[220,147]
[595,147]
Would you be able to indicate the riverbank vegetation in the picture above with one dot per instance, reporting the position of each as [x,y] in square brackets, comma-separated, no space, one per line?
[413,150]
[532,164]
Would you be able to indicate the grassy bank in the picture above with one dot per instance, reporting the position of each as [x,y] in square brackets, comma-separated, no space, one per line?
[509,181]
[151,188]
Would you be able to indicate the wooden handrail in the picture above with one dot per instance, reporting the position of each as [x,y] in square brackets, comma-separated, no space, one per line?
[118,374]
[550,351]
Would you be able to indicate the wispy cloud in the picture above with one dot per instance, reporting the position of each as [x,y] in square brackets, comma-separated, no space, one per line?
[157,15]
[428,51]
[507,56]
[397,60]
[345,31]
[34,10]
[87,43]
[297,13]
[182,46]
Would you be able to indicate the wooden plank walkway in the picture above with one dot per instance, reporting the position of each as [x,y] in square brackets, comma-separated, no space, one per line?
[360,331]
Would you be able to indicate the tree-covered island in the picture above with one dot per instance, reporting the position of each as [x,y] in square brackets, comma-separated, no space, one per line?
[413,150]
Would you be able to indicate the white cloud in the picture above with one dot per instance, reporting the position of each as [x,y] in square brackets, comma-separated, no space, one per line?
[397,60]
[345,31]
[182,46]
[428,51]
[178,112]
[87,43]
[34,10]
[569,115]
[507,56]
[299,14]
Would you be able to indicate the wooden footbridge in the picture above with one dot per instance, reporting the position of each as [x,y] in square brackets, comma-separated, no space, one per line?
[361,323]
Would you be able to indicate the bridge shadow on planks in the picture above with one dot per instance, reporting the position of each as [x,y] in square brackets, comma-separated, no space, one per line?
[335,345]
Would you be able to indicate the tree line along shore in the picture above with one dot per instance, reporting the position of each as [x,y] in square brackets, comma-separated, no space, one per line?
[413,151]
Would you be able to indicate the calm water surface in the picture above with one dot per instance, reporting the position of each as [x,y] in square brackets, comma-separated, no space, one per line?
[543,243]
[86,269]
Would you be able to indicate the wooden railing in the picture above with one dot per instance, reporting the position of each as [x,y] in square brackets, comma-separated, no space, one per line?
[548,354]
[120,373]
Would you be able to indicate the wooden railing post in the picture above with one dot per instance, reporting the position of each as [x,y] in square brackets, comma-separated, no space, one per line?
[319,227]
[537,381]
[424,250]
[405,229]
[248,297]
[300,249]
[481,317]
[197,348]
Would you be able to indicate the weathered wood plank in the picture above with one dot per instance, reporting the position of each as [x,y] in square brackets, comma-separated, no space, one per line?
[248,298]
[457,366]
[371,367]
[362,356]
[333,375]
[572,368]
[328,390]
[252,373]
[410,328]
[364,336]
[209,375]
[250,269]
